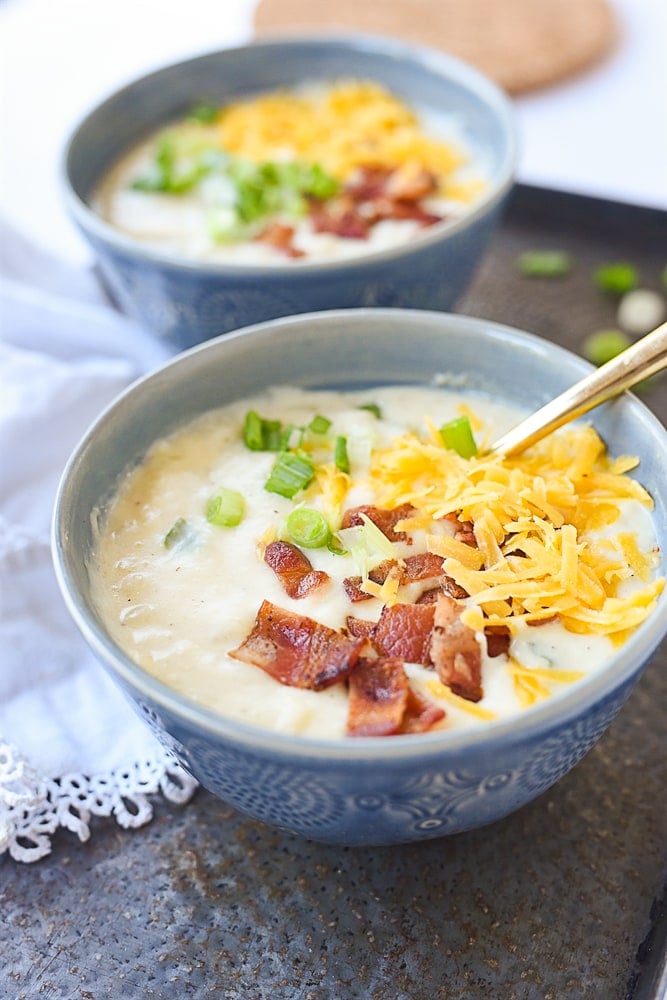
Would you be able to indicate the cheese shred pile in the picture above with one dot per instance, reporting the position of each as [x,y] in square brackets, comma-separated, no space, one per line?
[539,522]
[342,126]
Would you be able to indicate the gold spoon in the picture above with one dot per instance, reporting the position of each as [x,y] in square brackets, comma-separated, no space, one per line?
[644,358]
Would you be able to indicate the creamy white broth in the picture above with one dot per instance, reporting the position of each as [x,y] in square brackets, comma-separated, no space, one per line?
[178,612]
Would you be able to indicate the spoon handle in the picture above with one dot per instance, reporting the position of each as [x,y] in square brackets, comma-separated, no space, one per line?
[643,359]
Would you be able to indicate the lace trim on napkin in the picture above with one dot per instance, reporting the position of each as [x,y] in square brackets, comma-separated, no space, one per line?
[33,807]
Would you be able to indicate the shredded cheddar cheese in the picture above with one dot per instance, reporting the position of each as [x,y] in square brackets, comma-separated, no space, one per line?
[535,519]
[342,126]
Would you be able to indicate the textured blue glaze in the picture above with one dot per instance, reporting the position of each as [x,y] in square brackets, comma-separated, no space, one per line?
[188,302]
[357,791]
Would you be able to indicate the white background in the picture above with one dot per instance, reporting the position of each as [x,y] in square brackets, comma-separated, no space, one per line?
[603,133]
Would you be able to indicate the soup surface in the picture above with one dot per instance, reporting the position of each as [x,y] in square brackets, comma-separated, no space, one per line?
[324,172]
[343,564]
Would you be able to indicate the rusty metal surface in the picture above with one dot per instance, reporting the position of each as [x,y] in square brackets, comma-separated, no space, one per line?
[561,900]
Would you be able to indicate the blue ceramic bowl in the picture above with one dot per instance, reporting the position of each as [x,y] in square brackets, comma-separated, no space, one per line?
[356,791]
[188,302]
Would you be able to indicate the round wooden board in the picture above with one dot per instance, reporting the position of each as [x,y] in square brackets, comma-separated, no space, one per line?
[521,44]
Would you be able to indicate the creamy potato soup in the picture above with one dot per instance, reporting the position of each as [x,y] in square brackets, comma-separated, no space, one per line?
[325,172]
[352,564]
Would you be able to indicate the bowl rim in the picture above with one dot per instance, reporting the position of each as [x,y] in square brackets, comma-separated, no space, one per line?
[550,715]
[432,60]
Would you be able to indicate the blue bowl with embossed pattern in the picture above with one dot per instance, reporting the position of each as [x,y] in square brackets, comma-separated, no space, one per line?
[187,302]
[357,790]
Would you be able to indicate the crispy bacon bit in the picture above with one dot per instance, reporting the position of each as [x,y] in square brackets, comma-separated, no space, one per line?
[410,182]
[429,596]
[421,566]
[367,182]
[360,628]
[280,236]
[378,697]
[395,208]
[404,630]
[464,531]
[497,639]
[451,588]
[455,652]
[385,520]
[420,714]
[293,569]
[296,650]
[340,217]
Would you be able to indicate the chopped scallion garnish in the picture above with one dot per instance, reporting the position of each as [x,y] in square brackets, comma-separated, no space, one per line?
[616,279]
[260,434]
[336,547]
[372,408]
[205,113]
[176,533]
[308,528]
[290,474]
[545,263]
[603,345]
[319,424]
[225,508]
[457,435]
[341,458]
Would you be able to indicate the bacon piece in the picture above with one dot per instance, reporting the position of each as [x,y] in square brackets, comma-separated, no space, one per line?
[448,585]
[404,630]
[385,520]
[360,628]
[395,208]
[352,584]
[451,588]
[296,650]
[280,236]
[367,182]
[429,596]
[420,713]
[455,652]
[497,639]
[464,531]
[340,217]
[410,182]
[421,566]
[378,697]
[293,569]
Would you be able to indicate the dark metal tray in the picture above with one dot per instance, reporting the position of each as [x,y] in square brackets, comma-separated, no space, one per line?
[562,900]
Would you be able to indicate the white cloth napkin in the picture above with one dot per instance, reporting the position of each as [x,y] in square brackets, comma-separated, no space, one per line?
[70,745]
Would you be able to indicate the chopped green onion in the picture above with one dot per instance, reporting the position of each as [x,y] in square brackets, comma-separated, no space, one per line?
[308,528]
[225,508]
[285,441]
[205,113]
[545,263]
[260,434]
[616,279]
[290,474]
[176,533]
[372,408]
[336,547]
[604,345]
[457,435]
[341,458]
[319,424]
